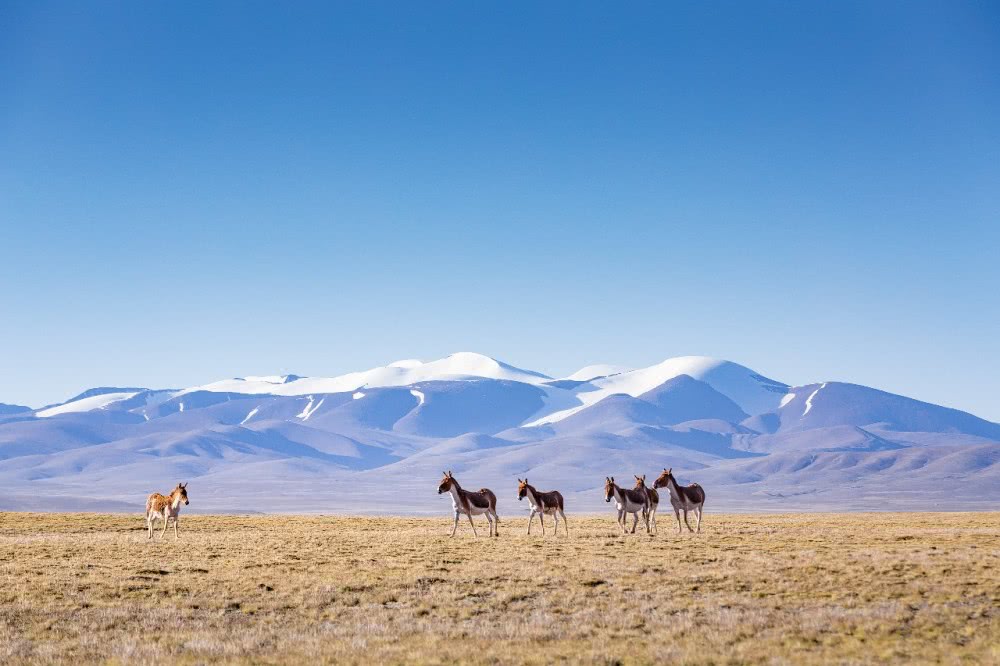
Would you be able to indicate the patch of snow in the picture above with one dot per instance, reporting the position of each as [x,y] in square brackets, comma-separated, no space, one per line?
[86,404]
[358,395]
[809,400]
[309,409]
[181,406]
[250,415]
[145,415]
[419,395]
[787,399]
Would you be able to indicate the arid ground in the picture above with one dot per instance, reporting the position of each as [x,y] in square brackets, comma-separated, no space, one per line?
[750,588]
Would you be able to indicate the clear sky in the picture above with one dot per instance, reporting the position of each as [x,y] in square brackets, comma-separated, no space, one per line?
[191,191]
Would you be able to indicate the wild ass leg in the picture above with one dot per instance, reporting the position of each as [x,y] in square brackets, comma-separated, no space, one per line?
[496,522]
[149,525]
[455,528]
[565,525]
[555,517]
[635,521]
[165,521]
[541,519]
[531,517]
[175,529]
[686,521]
[701,507]
[621,519]
[474,533]
[652,518]
[677,514]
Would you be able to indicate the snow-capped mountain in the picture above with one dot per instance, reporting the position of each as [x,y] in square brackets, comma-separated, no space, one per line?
[294,443]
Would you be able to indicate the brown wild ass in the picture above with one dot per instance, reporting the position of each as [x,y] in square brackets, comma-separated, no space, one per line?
[542,503]
[628,501]
[682,498]
[654,499]
[165,508]
[471,504]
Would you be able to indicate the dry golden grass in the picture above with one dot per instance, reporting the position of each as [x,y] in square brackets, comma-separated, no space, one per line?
[785,588]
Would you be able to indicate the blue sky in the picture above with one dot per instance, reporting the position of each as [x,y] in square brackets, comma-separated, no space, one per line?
[192,191]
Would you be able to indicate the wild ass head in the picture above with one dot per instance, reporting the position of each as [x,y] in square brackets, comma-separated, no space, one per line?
[180,493]
[640,482]
[609,488]
[446,482]
[664,478]
[522,489]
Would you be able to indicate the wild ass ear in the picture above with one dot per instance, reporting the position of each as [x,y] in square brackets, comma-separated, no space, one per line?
[670,470]
[449,473]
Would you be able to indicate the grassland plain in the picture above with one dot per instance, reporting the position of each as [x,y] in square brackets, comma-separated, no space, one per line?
[805,588]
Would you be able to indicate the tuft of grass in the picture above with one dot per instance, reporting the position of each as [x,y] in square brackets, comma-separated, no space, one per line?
[814,588]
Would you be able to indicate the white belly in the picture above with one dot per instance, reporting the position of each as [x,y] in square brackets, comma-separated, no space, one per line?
[473,510]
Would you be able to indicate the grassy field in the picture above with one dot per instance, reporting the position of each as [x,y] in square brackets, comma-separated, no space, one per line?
[750,588]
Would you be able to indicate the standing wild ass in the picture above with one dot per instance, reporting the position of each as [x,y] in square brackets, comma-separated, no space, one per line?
[471,504]
[542,503]
[628,501]
[682,498]
[165,508]
[654,499]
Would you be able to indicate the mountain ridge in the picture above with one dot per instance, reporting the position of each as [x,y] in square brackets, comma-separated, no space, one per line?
[287,442]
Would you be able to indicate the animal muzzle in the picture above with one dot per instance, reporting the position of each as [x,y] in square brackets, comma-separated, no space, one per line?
[607,499]
[186,502]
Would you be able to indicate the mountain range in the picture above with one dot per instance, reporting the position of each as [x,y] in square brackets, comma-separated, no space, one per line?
[377,441]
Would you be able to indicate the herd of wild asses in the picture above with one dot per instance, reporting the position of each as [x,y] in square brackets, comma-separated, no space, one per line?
[640,499]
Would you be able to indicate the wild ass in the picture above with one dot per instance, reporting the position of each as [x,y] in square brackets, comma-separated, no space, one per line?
[628,501]
[165,508]
[471,504]
[542,503]
[682,498]
[654,499]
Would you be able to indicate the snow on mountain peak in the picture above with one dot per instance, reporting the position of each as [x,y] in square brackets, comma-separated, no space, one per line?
[462,365]
[752,392]
[98,401]
[598,371]
[406,364]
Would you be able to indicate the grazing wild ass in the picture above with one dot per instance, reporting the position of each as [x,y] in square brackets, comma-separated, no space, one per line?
[682,498]
[628,501]
[471,504]
[165,508]
[542,503]
[654,499]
